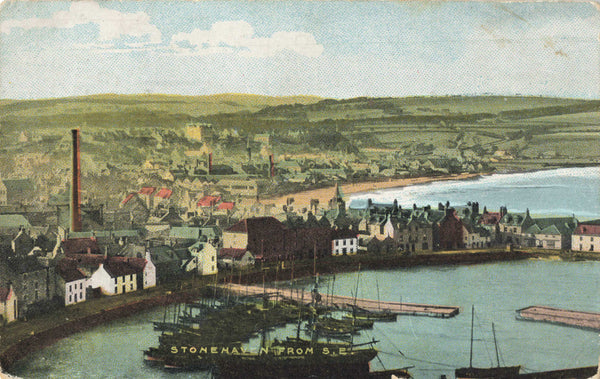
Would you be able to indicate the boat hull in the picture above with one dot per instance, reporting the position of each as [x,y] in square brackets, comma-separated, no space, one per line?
[487,373]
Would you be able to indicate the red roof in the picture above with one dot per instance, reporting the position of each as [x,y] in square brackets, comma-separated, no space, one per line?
[586,229]
[232,253]
[164,193]
[5,294]
[226,205]
[129,197]
[209,201]
[147,190]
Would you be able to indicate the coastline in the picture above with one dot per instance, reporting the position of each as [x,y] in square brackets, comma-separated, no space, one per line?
[323,195]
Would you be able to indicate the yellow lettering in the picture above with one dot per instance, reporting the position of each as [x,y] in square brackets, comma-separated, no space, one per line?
[203,350]
[290,350]
[183,348]
[243,350]
[343,351]
[234,351]
[264,350]
[174,350]
[193,350]
[224,350]
[309,350]
[325,351]
[299,351]
[213,350]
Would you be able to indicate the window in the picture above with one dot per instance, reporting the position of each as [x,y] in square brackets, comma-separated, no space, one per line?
[580,238]
[344,242]
[131,287]
[337,243]
[212,258]
[81,285]
[75,297]
[70,298]
[591,247]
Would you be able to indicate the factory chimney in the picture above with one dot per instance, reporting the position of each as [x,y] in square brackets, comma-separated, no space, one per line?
[272,165]
[76,185]
[209,163]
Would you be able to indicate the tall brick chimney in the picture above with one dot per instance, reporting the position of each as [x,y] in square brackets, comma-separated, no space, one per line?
[76,185]
[209,163]
[272,165]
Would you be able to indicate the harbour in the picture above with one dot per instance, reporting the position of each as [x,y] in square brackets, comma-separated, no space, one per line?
[434,346]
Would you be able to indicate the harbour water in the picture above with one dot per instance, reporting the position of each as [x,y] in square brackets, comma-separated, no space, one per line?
[433,346]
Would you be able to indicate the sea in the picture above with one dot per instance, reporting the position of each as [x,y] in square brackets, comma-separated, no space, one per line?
[431,347]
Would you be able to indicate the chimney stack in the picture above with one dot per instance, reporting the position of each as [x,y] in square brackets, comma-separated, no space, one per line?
[272,165]
[209,163]
[76,185]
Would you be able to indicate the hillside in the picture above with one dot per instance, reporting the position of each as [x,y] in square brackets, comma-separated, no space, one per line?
[365,138]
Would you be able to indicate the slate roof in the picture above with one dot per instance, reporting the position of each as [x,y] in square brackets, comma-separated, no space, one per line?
[553,226]
[19,185]
[80,245]
[245,225]
[185,232]
[13,221]
[232,253]
[490,218]
[69,272]
[116,268]
[343,234]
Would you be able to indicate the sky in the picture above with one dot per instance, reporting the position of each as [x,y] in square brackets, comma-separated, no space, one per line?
[338,49]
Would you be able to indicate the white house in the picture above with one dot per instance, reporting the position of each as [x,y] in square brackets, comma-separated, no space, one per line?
[115,278]
[8,304]
[229,257]
[72,284]
[586,237]
[344,242]
[204,258]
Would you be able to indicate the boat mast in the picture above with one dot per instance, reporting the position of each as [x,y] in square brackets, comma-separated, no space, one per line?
[472,320]
[496,344]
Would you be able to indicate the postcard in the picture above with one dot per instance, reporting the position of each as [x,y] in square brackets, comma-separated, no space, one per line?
[294,189]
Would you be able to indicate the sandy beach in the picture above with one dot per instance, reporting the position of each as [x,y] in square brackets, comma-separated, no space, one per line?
[325,194]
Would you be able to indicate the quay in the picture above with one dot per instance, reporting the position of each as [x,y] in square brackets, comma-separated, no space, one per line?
[346,302]
[566,317]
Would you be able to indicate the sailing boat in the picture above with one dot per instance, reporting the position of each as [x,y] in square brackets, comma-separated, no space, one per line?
[498,372]
[359,313]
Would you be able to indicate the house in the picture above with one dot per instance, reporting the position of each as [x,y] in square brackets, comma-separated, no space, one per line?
[115,278]
[72,282]
[33,283]
[22,244]
[344,242]
[162,198]
[133,210]
[512,226]
[8,305]
[551,232]
[263,235]
[451,231]
[81,246]
[586,236]
[475,236]
[168,264]
[203,259]
[230,257]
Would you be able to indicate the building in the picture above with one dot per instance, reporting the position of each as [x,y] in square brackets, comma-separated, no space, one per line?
[8,305]
[33,283]
[235,258]
[551,233]
[205,257]
[115,278]
[586,237]
[72,282]
[344,242]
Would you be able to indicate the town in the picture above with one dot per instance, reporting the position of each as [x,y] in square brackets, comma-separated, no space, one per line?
[69,251]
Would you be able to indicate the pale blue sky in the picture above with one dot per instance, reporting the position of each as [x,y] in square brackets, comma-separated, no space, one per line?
[328,48]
